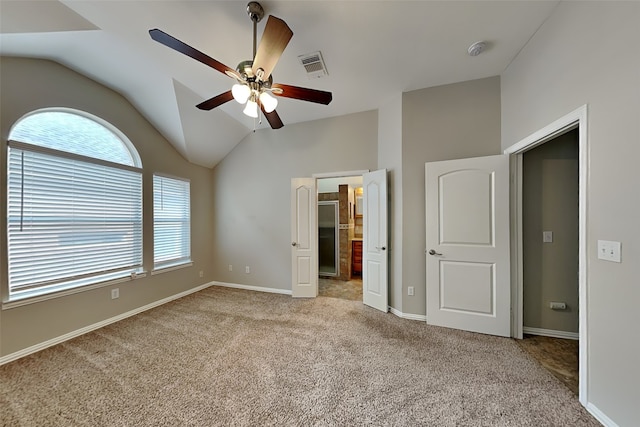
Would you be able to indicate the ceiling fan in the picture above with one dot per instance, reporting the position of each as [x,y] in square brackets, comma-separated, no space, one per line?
[254,82]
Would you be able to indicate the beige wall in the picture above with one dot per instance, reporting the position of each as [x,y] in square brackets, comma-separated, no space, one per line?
[29,84]
[251,224]
[439,123]
[550,203]
[587,53]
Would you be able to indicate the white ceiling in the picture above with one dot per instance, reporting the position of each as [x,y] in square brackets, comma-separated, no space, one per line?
[372,49]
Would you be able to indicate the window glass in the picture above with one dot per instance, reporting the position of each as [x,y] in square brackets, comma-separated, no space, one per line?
[171,222]
[72,133]
[71,221]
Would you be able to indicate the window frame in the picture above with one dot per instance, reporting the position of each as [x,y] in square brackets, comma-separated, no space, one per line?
[93,280]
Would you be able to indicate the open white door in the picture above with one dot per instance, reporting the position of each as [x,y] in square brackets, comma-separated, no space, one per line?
[374,242]
[467,225]
[304,256]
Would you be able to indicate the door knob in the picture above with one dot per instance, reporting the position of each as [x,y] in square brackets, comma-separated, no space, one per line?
[384,248]
[294,244]
[432,252]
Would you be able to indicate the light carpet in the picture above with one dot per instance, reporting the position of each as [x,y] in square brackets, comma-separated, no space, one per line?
[239,358]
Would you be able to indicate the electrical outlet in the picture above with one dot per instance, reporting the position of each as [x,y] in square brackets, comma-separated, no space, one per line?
[247,269]
[201,273]
[230,267]
[115,293]
[410,290]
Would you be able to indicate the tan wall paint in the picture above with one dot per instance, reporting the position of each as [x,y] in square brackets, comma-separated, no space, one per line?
[439,123]
[550,203]
[587,53]
[251,186]
[29,84]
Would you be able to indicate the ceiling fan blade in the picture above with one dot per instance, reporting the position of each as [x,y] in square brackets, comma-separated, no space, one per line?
[275,39]
[303,93]
[216,101]
[273,118]
[175,44]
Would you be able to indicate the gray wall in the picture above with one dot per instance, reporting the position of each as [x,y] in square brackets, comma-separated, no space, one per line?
[29,84]
[252,186]
[439,123]
[550,203]
[587,53]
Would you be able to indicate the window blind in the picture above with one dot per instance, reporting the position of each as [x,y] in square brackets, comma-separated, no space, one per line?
[171,221]
[70,222]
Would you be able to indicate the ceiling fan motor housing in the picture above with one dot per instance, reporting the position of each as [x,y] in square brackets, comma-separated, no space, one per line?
[245,70]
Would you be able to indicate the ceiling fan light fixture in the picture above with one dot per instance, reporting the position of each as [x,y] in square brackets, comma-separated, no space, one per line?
[240,92]
[251,109]
[268,102]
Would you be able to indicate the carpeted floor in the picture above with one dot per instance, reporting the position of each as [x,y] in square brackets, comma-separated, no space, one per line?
[230,357]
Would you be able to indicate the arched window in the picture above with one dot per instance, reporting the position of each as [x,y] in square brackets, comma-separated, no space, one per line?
[74,203]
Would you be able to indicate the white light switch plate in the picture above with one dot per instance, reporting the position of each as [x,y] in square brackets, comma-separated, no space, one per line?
[609,251]
[547,236]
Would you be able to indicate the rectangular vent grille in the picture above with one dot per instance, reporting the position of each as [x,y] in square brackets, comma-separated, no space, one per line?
[313,65]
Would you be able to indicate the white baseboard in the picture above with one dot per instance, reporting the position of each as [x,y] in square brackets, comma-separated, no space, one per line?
[409,316]
[62,338]
[551,333]
[252,288]
[600,416]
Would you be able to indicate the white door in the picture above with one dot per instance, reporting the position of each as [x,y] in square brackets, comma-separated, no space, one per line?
[374,240]
[467,225]
[304,249]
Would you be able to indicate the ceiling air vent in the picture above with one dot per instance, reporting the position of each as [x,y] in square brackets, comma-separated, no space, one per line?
[314,65]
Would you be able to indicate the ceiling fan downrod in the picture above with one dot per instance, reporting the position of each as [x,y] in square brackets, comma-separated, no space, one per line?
[256,13]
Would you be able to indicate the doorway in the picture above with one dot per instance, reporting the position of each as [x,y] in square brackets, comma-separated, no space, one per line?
[338,236]
[576,121]
[550,256]
[304,234]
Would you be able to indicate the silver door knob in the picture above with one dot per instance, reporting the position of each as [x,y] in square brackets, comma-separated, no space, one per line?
[384,248]
[294,244]
[432,252]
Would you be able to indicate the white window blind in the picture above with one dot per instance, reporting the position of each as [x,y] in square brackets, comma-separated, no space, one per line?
[171,221]
[71,221]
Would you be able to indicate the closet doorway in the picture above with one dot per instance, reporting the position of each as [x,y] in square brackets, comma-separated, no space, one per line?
[572,126]
[550,174]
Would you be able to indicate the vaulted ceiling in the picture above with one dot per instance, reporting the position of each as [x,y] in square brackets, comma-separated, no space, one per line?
[372,50]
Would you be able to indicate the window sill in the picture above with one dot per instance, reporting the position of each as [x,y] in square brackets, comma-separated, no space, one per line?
[20,301]
[172,267]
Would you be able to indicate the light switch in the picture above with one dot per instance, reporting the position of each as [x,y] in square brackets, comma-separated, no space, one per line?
[547,236]
[609,251]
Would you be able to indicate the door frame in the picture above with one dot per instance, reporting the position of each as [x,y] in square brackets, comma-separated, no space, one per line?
[576,119]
